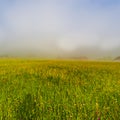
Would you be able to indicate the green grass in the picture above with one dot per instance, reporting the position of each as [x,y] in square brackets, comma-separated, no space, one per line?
[59,90]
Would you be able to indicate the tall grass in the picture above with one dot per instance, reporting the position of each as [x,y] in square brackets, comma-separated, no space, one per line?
[59,90]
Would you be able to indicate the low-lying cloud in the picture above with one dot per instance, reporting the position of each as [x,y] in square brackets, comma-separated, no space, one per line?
[53,27]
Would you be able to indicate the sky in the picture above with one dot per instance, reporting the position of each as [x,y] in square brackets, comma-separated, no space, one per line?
[53,28]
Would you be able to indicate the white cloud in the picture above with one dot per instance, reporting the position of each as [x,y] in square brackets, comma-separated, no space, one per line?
[45,25]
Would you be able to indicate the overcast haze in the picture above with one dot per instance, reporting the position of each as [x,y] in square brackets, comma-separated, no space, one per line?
[60,27]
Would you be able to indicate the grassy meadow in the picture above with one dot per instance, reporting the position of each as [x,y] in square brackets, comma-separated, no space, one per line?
[59,90]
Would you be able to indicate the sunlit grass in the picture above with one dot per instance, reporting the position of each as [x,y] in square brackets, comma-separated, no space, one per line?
[59,90]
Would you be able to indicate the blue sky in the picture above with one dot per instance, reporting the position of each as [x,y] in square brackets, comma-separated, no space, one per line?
[62,25]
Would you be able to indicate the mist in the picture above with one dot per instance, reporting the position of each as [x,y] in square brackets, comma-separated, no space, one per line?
[60,28]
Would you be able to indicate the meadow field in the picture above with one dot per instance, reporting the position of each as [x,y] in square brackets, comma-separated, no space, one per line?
[59,90]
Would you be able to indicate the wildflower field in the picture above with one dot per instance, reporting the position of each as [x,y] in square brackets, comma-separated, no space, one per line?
[59,90]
